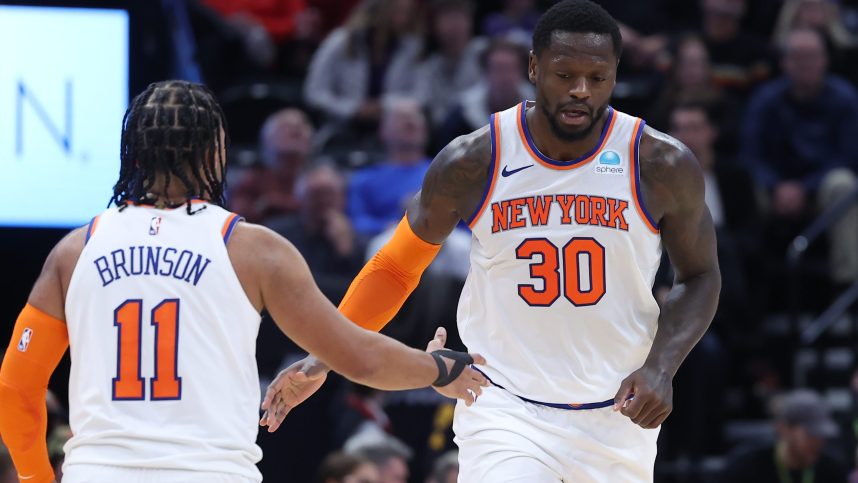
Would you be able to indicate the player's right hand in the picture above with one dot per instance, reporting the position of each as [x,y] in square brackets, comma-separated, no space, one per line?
[290,388]
[470,383]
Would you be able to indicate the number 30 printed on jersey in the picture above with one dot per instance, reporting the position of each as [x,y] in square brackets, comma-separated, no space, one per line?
[581,256]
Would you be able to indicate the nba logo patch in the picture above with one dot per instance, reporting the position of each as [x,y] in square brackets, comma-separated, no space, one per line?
[609,162]
[155,225]
[25,340]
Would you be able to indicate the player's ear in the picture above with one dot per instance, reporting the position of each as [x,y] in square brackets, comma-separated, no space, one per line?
[532,67]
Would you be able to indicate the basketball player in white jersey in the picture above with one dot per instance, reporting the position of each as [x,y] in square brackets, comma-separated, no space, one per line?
[570,203]
[159,299]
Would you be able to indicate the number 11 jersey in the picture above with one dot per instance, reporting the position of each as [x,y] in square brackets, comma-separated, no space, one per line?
[163,345]
[559,294]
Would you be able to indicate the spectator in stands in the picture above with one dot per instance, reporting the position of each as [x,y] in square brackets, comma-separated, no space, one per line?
[504,85]
[322,231]
[285,146]
[732,202]
[455,66]
[821,15]
[799,143]
[445,469]
[825,17]
[378,194]
[803,424]
[390,456]
[514,22]
[340,467]
[374,56]
[690,81]
[739,59]
[274,22]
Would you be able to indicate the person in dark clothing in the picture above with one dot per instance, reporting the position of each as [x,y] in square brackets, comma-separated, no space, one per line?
[803,424]
[322,231]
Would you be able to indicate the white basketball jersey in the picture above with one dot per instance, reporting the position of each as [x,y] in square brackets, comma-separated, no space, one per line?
[559,295]
[163,345]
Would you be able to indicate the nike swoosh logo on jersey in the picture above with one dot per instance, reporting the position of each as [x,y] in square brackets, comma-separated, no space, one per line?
[506,173]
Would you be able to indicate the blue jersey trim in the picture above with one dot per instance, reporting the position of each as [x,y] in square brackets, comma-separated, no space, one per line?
[90,228]
[230,227]
[636,160]
[567,407]
[495,137]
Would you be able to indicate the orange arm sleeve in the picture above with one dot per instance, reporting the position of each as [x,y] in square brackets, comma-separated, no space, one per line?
[380,289]
[38,343]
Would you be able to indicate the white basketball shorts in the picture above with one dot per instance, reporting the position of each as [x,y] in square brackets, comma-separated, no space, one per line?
[503,439]
[85,473]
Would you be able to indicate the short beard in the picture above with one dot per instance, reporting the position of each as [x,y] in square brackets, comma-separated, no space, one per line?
[574,135]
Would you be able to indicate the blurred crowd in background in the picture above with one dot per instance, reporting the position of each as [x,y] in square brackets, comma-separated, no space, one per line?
[336,108]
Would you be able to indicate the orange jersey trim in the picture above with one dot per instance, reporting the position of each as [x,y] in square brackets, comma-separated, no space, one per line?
[634,148]
[531,148]
[93,224]
[228,226]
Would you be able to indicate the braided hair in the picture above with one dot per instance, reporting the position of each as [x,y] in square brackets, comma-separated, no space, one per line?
[172,129]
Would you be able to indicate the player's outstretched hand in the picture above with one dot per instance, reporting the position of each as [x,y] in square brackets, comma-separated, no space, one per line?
[290,388]
[468,386]
[646,397]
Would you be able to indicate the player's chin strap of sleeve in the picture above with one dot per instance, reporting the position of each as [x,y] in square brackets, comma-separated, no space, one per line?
[460,360]
[380,289]
[38,343]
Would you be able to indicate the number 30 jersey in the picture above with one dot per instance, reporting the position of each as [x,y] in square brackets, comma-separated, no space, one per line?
[559,294]
[163,345]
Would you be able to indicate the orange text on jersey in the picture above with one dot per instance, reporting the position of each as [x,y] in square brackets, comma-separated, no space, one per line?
[580,209]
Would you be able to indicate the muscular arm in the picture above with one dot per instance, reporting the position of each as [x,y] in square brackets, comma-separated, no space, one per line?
[275,276]
[451,191]
[27,369]
[674,187]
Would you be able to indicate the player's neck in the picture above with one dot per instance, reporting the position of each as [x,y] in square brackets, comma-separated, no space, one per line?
[557,148]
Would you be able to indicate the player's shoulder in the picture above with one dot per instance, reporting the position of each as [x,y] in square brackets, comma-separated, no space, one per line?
[670,170]
[258,242]
[664,158]
[66,252]
[465,160]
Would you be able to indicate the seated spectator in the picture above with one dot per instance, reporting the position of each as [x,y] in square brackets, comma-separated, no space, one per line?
[389,455]
[740,60]
[347,468]
[445,469]
[455,66]
[690,81]
[514,22]
[504,84]
[732,202]
[322,231]
[798,142]
[729,195]
[266,26]
[803,425]
[375,55]
[821,15]
[825,17]
[378,194]
[285,145]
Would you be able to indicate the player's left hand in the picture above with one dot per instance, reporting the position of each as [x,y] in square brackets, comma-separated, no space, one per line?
[290,388]
[646,397]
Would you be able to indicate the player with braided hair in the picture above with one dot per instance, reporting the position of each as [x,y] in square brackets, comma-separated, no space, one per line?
[161,308]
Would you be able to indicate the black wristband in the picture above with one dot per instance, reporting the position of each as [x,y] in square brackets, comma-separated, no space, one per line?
[461,360]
